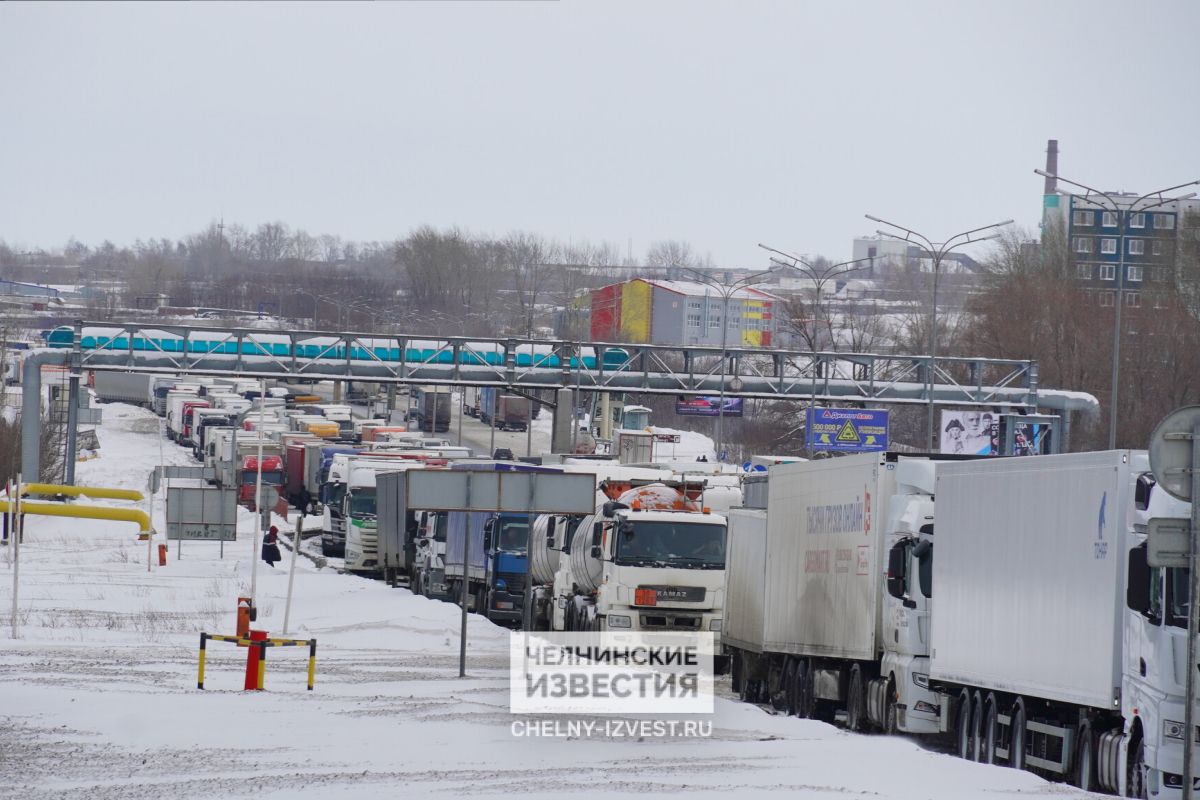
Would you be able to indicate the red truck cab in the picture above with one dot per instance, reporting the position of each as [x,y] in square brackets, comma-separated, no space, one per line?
[272,475]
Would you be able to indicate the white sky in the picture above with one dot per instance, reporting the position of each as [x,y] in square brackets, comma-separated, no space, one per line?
[722,124]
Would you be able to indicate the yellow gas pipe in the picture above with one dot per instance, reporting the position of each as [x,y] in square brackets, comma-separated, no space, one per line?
[75,491]
[84,512]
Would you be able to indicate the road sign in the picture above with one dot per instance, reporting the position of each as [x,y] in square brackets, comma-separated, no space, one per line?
[1171,452]
[1175,459]
[847,429]
[670,438]
[1168,543]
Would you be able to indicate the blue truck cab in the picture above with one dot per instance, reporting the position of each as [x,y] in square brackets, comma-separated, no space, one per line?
[498,563]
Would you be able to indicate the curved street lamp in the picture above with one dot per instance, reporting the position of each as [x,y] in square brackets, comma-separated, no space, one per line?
[937,252]
[725,291]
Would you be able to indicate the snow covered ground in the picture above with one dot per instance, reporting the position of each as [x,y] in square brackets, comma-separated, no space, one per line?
[98,694]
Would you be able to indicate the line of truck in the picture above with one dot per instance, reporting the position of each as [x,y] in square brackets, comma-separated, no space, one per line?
[1052,645]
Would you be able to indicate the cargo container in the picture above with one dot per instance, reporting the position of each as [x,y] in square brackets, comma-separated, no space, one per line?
[512,413]
[123,387]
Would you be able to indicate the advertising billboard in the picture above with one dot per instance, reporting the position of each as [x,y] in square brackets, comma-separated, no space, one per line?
[708,407]
[971,432]
[850,430]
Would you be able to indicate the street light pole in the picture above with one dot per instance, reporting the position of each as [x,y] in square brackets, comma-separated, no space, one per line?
[937,252]
[819,276]
[1107,201]
[725,291]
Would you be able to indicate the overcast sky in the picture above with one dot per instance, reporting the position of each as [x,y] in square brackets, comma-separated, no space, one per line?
[722,124]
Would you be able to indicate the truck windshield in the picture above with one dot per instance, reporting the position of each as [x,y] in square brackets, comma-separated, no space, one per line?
[514,534]
[362,502]
[691,545]
[337,491]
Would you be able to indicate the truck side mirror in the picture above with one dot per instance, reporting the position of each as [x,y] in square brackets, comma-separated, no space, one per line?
[612,507]
[1141,491]
[596,552]
[597,532]
[1137,596]
[897,559]
[323,493]
[488,527]
[924,553]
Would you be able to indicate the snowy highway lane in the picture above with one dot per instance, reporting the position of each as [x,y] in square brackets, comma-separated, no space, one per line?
[98,695]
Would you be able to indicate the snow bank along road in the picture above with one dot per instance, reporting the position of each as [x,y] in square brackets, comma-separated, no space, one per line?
[98,693]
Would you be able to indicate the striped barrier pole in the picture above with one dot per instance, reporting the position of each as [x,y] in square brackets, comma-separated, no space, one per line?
[256,660]
[312,662]
[200,675]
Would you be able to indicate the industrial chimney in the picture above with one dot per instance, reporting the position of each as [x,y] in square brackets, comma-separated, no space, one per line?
[1051,166]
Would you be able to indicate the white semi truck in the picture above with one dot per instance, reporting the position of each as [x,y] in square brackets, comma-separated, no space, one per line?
[1051,646]
[653,559]
[350,503]
[806,590]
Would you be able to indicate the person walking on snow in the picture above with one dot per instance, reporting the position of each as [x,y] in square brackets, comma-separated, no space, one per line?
[270,546]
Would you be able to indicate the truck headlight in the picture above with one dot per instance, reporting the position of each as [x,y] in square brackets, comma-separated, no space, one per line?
[714,624]
[921,679]
[1172,729]
[618,621]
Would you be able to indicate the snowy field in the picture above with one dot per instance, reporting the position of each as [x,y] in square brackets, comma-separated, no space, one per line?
[98,694]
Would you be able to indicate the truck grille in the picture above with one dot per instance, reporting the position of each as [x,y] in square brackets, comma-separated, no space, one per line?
[678,622]
[514,580]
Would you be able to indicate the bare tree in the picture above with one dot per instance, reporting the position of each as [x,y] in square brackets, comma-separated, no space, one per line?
[271,241]
[526,255]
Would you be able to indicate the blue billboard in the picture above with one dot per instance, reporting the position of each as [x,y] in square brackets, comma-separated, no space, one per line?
[850,430]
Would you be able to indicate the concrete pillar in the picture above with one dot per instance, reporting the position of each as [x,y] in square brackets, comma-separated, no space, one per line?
[31,412]
[564,413]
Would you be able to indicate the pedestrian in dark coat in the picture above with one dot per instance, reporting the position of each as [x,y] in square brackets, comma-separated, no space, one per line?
[270,546]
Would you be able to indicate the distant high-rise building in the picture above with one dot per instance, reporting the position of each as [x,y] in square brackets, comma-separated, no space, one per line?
[1145,248]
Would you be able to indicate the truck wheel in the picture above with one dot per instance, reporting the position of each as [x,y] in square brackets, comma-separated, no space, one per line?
[962,725]
[889,709]
[782,697]
[977,727]
[1016,736]
[1136,785]
[990,724]
[1085,761]
[805,703]
[856,701]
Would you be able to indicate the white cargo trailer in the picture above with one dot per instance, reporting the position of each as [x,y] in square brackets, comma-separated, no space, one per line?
[1053,643]
[1017,538]
[824,550]
[805,601]
[745,580]
[123,387]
